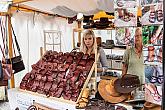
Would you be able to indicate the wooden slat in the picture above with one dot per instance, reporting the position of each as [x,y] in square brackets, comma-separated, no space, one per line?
[3,13]
[96,59]
[50,98]
[26,8]
[20,1]
[89,76]
[30,9]
[80,29]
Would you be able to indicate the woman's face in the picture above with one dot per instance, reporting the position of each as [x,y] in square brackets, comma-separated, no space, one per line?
[138,37]
[88,40]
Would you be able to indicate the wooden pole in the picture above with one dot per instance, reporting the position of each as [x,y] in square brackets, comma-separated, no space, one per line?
[96,60]
[73,39]
[12,83]
[41,51]
[79,33]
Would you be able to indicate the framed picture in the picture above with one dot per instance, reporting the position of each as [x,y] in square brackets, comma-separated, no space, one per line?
[150,2]
[153,93]
[125,36]
[125,3]
[152,14]
[154,74]
[152,35]
[152,55]
[125,17]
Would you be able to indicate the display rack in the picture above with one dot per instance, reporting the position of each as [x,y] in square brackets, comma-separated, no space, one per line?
[61,99]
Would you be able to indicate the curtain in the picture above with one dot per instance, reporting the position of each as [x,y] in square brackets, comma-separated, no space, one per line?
[29,29]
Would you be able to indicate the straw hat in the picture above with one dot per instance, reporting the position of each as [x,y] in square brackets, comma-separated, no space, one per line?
[108,92]
[151,106]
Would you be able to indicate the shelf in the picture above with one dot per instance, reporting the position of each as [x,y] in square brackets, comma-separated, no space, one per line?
[80,29]
[120,46]
[153,63]
[116,48]
[107,77]
[115,60]
[146,46]
[103,29]
[115,69]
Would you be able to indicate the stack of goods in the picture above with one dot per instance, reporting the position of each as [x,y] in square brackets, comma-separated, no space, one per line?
[102,23]
[114,57]
[59,74]
[112,73]
[108,45]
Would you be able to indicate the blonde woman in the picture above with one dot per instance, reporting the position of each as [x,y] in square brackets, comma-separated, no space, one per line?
[87,47]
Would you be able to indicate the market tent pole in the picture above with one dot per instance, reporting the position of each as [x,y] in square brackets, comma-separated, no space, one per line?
[12,83]
[79,33]
[163,91]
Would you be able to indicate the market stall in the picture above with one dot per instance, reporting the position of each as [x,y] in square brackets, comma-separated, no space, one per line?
[46,35]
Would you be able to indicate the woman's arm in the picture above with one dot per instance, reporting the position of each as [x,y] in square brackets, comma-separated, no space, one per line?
[103,61]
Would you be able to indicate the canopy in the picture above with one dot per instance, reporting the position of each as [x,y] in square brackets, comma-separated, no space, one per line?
[70,8]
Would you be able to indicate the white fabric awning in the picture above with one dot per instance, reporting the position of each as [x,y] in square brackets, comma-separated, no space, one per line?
[70,8]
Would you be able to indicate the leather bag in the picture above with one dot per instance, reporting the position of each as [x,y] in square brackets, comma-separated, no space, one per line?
[17,62]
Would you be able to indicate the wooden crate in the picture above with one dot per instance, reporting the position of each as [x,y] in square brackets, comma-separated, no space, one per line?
[61,99]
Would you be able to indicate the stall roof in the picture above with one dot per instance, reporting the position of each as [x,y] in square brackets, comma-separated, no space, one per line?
[69,8]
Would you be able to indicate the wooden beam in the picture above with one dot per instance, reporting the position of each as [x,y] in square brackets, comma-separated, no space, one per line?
[31,9]
[28,8]
[3,13]
[20,1]
[12,83]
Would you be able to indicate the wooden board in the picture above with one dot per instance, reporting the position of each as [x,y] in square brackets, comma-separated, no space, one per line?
[62,99]
[51,98]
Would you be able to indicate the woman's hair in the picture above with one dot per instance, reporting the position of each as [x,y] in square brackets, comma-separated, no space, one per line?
[83,47]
